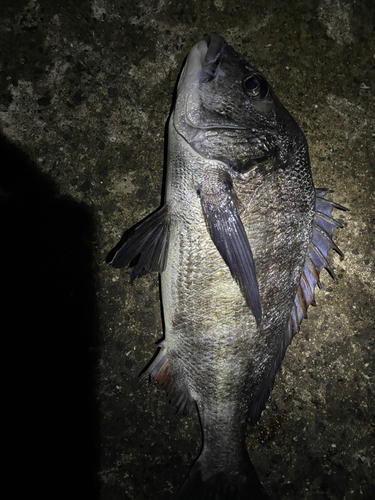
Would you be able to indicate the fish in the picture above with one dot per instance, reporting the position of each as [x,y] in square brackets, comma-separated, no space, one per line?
[239,241]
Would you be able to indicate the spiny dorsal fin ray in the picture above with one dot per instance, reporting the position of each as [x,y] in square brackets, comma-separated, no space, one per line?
[323,241]
[308,292]
[326,206]
[316,259]
[326,222]
[319,259]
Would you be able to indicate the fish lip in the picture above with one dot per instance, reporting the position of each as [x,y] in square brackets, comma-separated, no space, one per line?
[193,65]
[202,65]
[203,60]
[213,56]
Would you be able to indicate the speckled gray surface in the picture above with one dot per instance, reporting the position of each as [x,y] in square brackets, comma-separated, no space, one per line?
[85,92]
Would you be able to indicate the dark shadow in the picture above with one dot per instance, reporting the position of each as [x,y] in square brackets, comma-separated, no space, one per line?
[49,332]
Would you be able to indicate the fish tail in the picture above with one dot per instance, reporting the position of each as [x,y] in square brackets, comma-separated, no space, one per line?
[203,483]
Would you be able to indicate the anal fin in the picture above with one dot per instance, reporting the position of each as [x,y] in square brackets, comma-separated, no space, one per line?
[159,374]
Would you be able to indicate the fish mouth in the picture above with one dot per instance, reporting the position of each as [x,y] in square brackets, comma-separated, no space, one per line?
[213,55]
[201,67]
[202,62]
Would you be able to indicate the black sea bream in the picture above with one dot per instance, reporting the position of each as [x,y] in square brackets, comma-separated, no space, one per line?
[239,242]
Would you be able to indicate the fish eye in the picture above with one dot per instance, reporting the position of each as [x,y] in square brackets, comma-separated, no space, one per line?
[255,86]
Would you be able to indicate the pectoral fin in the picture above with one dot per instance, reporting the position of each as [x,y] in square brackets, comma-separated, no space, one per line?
[148,241]
[230,238]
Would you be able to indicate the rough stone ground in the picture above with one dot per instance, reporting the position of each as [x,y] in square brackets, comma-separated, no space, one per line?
[85,92]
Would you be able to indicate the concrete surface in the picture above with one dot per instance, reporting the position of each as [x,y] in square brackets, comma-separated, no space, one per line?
[85,92]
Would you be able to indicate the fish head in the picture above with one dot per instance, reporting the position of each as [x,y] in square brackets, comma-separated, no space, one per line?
[225,108]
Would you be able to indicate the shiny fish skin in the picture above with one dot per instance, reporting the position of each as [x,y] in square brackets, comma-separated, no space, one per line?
[240,241]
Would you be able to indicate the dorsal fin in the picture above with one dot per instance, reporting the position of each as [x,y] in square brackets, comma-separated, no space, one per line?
[316,259]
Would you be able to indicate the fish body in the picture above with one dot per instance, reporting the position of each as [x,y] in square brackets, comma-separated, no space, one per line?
[239,242]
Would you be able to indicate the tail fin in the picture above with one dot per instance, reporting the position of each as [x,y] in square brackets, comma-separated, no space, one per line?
[204,484]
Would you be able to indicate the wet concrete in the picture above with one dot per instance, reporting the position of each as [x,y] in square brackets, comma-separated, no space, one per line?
[85,92]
